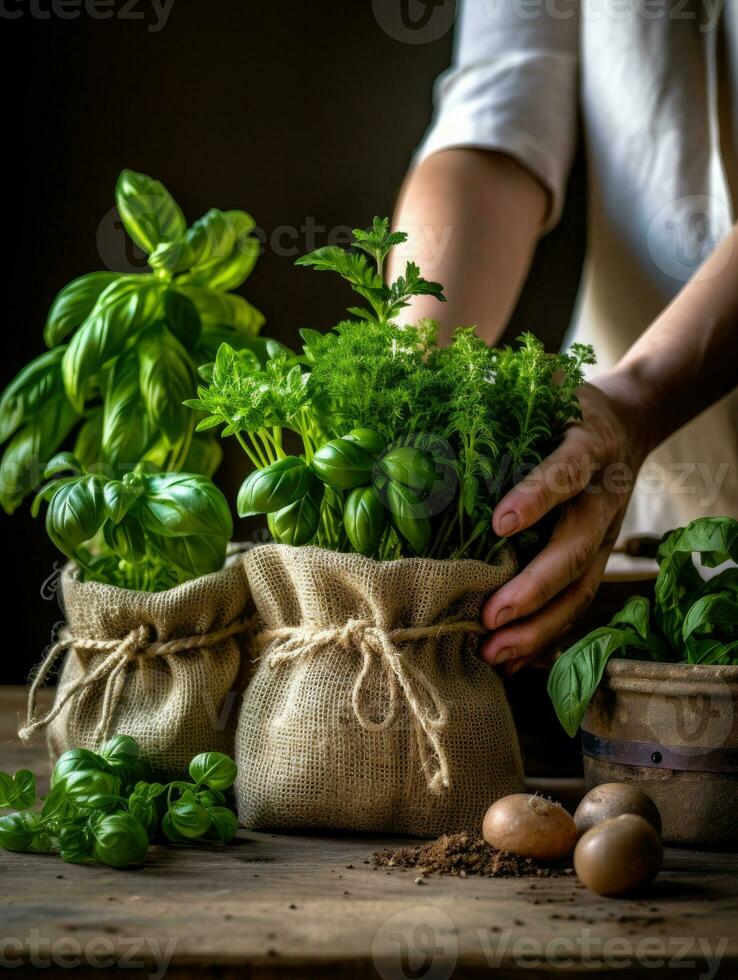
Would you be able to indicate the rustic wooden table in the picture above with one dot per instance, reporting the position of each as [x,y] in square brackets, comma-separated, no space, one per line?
[312,906]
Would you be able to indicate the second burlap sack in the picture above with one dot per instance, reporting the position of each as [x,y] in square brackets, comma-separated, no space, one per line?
[370,708]
[166,668]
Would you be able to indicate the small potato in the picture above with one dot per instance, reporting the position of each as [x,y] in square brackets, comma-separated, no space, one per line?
[611,800]
[618,855]
[530,826]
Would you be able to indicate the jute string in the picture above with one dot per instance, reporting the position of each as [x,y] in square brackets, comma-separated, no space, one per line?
[294,643]
[137,645]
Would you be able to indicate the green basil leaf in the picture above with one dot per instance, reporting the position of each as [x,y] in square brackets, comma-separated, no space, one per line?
[119,497]
[365,520]
[120,747]
[410,467]
[123,309]
[170,831]
[715,539]
[57,806]
[343,464]
[24,789]
[30,390]
[182,317]
[126,539]
[274,487]
[31,447]
[177,504]
[126,431]
[223,250]
[88,442]
[224,823]
[578,671]
[297,523]
[410,516]
[636,615]
[194,555]
[189,818]
[75,842]
[167,378]
[63,462]
[73,760]
[171,257]
[17,831]
[76,513]
[219,310]
[148,211]
[74,304]
[712,618]
[213,769]
[92,788]
[119,840]
[368,439]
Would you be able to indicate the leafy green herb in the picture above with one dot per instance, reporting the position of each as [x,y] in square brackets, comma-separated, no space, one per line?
[693,620]
[404,446]
[99,809]
[125,353]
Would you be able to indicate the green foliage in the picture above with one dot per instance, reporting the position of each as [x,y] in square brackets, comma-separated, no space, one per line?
[103,806]
[405,446]
[693,621]
[124,355]
[158,529]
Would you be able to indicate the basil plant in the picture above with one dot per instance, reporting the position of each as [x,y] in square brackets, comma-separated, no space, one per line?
[124,352]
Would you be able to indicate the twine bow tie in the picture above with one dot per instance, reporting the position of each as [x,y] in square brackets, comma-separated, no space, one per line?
[135,646]
[404,676]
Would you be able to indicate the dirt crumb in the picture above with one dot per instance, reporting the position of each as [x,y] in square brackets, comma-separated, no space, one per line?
[465,854]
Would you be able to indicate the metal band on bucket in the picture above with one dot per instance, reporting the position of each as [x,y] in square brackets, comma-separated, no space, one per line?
[653,755]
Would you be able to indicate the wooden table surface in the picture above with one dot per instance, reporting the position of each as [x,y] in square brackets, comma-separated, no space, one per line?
[312,906]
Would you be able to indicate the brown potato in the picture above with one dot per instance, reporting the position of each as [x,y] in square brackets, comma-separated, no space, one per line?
[530,826]
[618,855]
[611,800]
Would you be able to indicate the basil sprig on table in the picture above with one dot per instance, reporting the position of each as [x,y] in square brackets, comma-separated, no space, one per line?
[404,446]
[103,807]
[125,354]
[693,621]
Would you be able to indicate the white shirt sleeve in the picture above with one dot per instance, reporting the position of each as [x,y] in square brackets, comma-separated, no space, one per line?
[513,88]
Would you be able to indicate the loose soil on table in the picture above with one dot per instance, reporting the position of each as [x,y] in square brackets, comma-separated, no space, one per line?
[465,854]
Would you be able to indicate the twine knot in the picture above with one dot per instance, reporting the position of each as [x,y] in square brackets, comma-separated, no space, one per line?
[138,644]
[380,648]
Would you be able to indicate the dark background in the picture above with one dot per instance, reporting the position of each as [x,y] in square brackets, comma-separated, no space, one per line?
[298,113]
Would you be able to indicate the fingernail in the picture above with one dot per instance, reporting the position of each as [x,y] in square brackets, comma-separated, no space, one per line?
[508,522]
[504,616]
[507,653]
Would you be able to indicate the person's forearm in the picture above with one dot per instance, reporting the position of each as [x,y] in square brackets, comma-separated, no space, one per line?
[473,218]
[688,358]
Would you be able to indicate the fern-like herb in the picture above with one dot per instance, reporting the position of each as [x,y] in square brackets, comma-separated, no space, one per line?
[482,416]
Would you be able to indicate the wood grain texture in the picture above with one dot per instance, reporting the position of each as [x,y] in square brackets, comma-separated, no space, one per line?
[273,906]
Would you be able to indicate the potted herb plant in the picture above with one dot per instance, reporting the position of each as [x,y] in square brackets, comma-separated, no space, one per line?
[377,457]
[153,616]
[656,690]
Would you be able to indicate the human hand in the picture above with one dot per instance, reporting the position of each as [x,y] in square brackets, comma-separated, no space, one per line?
[591,474]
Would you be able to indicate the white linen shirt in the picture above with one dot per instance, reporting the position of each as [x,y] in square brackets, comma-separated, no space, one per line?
[656,82]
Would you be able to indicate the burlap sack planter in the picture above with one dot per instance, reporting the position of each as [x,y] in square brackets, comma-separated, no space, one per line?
[370,709]
[163,667]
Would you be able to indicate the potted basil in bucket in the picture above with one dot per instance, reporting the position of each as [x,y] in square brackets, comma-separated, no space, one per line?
[154,616]
[656,690]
